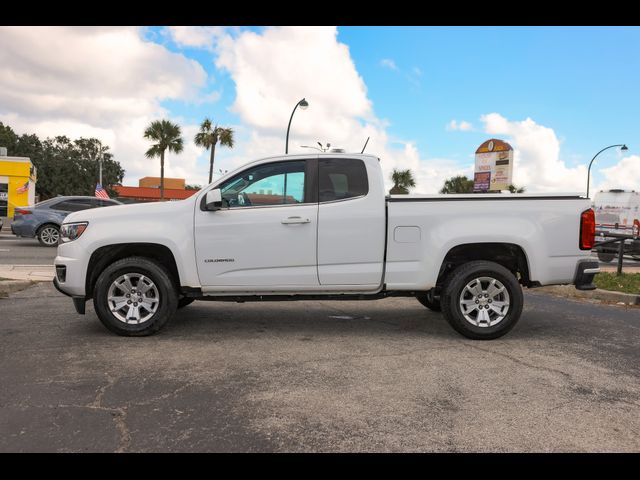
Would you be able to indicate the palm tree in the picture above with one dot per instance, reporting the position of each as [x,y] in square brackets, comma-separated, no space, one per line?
[209,136]
[402,181]
[457,184]
[167,135]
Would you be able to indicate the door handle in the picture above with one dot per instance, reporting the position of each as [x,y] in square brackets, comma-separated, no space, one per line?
[290,220]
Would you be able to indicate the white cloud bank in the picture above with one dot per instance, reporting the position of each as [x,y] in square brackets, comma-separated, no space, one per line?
[106,82]
[625,174]
[195,36]
[537,163]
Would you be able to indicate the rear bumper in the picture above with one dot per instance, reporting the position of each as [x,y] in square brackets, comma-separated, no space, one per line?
[22,229]
[585,273]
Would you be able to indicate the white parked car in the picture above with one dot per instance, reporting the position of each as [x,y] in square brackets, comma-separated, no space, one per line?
[321,227]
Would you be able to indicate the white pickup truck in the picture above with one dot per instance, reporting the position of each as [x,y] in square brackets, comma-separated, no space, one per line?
[320,226]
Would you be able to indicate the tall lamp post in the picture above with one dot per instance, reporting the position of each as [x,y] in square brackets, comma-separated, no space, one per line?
[623,148]
[302,104]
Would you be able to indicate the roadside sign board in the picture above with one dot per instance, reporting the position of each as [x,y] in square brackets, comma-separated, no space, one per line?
[496,158]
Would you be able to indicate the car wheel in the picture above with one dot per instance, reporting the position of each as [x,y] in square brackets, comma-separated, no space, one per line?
[184,301]
[429,300]
[135,297]
[606,256]
[48,235]
[482,300]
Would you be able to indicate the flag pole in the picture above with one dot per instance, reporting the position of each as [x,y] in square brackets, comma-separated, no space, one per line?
[100,161]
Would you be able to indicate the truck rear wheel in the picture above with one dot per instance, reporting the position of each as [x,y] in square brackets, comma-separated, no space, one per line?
[135,297]
[482,300]
[429,300]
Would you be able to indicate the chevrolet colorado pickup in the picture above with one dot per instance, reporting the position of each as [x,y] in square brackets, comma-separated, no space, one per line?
[320,226]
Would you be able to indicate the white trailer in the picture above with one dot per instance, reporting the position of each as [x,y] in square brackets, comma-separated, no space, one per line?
[618,211]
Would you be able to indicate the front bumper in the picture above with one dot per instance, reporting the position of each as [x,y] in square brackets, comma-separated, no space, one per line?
[585,273]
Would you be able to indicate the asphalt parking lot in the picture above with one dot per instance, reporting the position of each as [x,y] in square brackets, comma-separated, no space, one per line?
[387,375]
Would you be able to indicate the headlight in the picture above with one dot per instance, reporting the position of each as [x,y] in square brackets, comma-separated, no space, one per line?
[72,231]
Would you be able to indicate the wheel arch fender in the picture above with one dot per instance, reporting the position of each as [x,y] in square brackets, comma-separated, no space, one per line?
[105,255]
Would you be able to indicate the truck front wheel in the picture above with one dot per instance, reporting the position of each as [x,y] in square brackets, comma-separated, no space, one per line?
[135,297]
[482,300]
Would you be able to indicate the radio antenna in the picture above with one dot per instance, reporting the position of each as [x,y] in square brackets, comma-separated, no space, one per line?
[365,144]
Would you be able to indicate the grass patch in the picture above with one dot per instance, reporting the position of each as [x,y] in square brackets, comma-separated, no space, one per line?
[627,283]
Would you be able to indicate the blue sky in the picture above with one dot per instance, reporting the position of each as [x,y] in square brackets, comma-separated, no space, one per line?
[558,94]
[580,81]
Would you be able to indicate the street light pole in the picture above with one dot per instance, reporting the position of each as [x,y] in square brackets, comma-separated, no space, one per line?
[623,148]
[303,104]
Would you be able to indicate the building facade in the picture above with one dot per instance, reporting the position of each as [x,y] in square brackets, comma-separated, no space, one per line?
[148,190]
[169,183]
[17,184]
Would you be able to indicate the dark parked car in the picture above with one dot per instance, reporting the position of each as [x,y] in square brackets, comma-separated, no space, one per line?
[43,220]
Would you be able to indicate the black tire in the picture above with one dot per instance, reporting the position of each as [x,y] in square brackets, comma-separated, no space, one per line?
[606,257]
[453,289]
[167,296]
[429,300]
[46,234]
[184,301]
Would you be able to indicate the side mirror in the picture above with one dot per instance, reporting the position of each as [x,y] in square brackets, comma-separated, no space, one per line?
[213,200]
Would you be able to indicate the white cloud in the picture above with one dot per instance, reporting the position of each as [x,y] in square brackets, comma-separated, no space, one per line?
[311,63]
[462,126]
[388,63]
[537,163]
[106,82]
[625,174]
[194,36]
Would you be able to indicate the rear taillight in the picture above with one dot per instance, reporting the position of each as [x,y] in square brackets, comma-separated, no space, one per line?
[587,229]
[21,211]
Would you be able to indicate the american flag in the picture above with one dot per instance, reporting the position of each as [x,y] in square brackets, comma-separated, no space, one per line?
[101,192]
[23,188]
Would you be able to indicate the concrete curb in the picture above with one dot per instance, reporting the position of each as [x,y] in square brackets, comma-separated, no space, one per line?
[597,294]
[36,273]
[12,286]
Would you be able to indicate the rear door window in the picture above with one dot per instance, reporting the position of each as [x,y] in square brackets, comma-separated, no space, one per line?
[341,179]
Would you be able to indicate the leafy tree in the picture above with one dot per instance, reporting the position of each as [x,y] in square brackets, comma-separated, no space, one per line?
[192,187]
[167,136]
[209,136]
[457,184]
[515,189]
[8,138]
[402,181]
[64,166]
